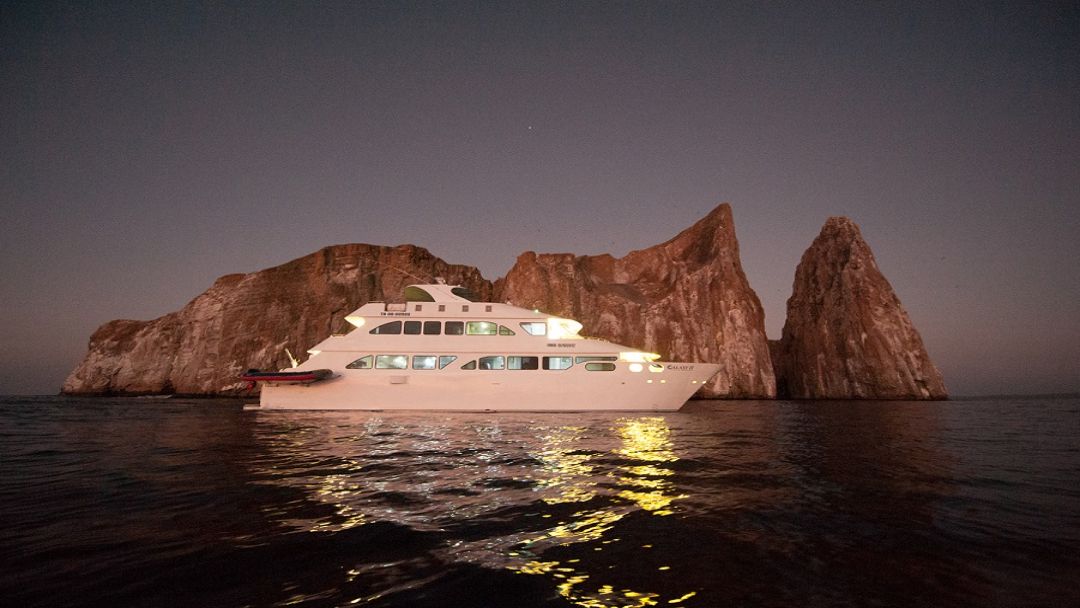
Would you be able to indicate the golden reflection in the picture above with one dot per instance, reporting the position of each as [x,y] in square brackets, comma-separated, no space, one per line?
[647,439]
[645,483]
[336,491]
[566,471]
[593,479]
[589,526]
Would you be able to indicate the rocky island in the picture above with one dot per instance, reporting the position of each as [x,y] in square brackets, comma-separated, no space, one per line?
[846,335]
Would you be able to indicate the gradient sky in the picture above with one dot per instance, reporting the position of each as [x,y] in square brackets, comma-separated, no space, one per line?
[147,150]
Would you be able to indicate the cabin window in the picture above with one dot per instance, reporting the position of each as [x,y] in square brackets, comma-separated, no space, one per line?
[445,360]
[391,362]
[455,328]
[469,365]
[432,328]
[423,361]
[481,328]
[487,308]
[464,308]
[558,362]
[393,327]
[465,292]
[418,307]
[535,328]
[412,328]
[600,367]
[361,363]
[493,362]
[505,331]
[442,307]
[515,362]
[580,360]
[417,294]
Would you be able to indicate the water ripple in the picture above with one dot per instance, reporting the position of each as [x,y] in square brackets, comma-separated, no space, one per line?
[173,502]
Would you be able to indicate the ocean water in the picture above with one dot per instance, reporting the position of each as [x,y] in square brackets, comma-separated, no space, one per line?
[145,502]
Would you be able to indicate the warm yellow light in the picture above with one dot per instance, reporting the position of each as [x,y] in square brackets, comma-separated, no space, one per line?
[562,329]
[638,356]
[656,368]
[313,352]
[356,321]
[636,367]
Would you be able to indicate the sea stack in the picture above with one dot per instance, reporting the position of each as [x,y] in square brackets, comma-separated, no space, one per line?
[248,320]
[686,299]
[847,336]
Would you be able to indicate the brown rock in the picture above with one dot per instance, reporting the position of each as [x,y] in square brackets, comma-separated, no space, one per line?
[248,320]
[686,299]
[847,336]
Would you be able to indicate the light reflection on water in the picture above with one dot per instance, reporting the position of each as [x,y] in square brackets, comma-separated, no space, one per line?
[181,503]
[463,468]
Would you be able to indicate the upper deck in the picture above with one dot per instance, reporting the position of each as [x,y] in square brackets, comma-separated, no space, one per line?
[436,314]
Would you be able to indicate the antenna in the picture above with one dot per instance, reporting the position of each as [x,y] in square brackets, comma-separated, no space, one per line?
[292,359]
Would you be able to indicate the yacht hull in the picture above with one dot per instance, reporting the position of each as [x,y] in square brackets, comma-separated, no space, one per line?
[496,390]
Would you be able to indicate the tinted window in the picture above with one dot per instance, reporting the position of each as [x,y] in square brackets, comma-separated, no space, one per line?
[416,294]
[455,328]
[465,292]
[558,362]
[600,367]
[505,331]
[432,328]
[391,361]
[446,360]
[361,363]
[423,362]
[481,328]
[535,328]
[493,362]
[393,327]
[516,362]
[469,365]
[412,328]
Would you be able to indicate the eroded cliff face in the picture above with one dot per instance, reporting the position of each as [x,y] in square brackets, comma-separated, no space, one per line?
[248,320]
[847,336]
[686,299]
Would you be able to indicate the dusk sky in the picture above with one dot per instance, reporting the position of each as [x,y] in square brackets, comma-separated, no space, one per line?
[148,148]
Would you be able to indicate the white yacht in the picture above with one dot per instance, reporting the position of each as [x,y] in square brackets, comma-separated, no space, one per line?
[441,350]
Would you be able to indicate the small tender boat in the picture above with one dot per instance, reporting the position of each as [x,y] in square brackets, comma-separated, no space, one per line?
[297,377]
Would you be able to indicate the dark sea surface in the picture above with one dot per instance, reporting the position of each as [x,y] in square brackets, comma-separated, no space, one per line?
[148,502]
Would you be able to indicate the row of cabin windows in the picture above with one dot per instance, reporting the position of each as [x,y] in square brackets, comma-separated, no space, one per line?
[517,362]
[456,328]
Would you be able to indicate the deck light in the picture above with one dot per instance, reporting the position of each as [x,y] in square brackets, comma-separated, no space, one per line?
[562,329]
[637,356]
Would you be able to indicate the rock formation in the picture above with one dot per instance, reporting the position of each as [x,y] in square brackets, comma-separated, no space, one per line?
[847,335]
[686,299]
[248,320]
